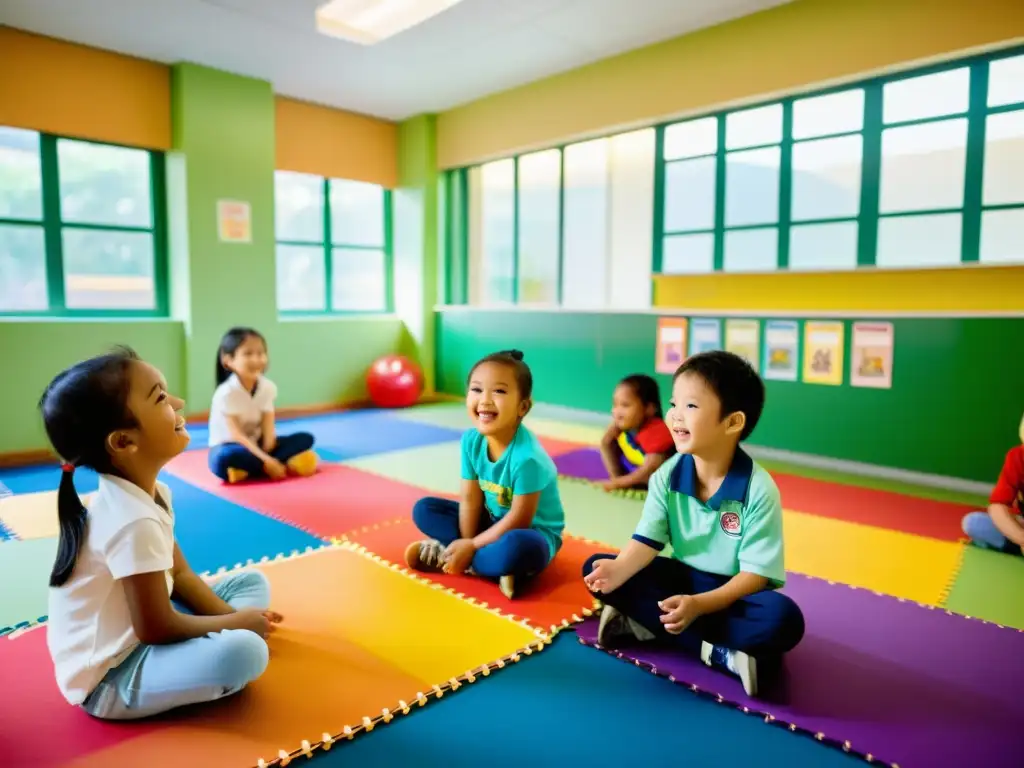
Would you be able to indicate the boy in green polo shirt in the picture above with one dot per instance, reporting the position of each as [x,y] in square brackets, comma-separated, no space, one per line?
[722,515]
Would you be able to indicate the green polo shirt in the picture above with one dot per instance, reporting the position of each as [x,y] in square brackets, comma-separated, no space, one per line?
[738,529]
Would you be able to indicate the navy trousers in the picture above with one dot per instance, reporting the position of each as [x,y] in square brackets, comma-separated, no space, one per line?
[235,456]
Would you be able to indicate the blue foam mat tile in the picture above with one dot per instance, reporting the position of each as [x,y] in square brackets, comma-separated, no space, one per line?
[353,434]
[45,477]
[570,705]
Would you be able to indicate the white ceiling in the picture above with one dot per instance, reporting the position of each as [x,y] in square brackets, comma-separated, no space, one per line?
[476,48]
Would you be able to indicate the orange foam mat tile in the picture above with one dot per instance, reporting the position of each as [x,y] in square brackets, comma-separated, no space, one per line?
[556,599]
[361,644]
[335,500]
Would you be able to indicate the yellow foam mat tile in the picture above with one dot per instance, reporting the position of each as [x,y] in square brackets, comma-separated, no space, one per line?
[894,563]
[562,430]
[33,515]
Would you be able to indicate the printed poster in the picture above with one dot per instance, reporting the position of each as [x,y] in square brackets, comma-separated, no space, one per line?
[823,352]
[781,350]
[743,338]
[705,335]
[871,356]
[671,344]
[234,221]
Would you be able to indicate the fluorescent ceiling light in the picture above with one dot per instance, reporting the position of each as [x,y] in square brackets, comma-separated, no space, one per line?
[370,21]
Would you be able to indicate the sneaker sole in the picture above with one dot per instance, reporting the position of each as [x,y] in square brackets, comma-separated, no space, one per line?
[608,614]
[507,586]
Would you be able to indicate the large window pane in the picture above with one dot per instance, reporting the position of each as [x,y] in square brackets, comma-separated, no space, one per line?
[100,184]
[824,115]
[21,178]
[108,269]
[691,139]
[497,231]
[1004,159]
[298,207]
[826,178]
[22,269]
[688,254]
[539,200]
[690,194]
[919,241]
[823,246]
[357,213]
[301,278]
[585,225]
[358,281]
[916,98]
[751,250]
[754,127]
[1006,81]
[923,166]
[752,187]
[1002,236]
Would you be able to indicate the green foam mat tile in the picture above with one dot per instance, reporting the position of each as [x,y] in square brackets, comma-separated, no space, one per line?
[434,468]
[24,575]
[989,587]
[452,415]
[594,514]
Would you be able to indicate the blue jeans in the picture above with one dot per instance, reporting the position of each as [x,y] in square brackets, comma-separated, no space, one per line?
[157,678]
[765,624]
[521,552]
[983,532]
[235,456]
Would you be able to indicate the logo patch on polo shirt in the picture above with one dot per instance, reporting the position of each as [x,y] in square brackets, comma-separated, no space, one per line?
[730,523]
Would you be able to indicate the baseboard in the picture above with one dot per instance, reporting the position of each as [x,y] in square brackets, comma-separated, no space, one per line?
[46,456]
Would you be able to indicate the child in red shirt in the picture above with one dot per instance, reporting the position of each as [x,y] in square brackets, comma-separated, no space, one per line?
[1001,527]
[637,441]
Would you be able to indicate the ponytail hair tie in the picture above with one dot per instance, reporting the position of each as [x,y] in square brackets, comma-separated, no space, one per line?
[67,467]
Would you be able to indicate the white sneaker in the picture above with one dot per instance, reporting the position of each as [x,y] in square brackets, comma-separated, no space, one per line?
[741,664]
[616,626]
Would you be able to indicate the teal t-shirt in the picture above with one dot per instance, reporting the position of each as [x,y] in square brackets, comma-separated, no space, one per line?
[523,468]
[738,529]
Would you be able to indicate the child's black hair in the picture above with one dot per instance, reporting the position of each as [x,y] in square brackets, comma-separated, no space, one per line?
[80,408]
[733,380]
[514,359]
[229,344]
[646,389]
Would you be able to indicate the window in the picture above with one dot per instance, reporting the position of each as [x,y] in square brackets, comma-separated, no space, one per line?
[333,245]
[81,228]
[921,169]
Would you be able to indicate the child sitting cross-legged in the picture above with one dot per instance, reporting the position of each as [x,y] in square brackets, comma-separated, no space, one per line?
[722,515]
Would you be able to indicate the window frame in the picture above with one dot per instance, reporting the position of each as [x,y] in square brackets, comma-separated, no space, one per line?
[327,247]
[53,227]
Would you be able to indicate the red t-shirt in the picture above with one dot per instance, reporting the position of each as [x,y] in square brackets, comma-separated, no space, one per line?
[654,437]
[1009,488]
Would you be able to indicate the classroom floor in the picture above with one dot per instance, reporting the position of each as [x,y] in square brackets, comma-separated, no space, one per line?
[908,657]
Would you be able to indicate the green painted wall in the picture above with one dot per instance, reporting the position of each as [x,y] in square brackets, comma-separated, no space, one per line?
[33,351]
[415,215]
[954,408]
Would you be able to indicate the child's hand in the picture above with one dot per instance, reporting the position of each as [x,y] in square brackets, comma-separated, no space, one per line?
[275,469]
[611,435]
[679,612]
[608,485]
[606,576]
[458,555]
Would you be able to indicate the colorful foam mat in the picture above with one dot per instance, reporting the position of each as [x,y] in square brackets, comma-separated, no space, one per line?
[554,600]
[884,678]
[344,661]
[332,502]
[866,506]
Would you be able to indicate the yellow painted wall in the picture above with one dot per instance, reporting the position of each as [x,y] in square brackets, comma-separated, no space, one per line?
[330,142]
[57,87]
[790,48]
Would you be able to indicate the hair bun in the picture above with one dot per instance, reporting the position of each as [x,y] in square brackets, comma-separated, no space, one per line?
[515,354]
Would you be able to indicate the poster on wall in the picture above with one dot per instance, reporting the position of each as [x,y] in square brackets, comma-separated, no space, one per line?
[743,338]
[781,350]
[823,352]
[871,356]
[705,335]
[234,221]
[670,351]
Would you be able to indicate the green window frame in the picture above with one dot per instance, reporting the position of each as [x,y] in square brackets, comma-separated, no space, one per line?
[330,241]
[54,228]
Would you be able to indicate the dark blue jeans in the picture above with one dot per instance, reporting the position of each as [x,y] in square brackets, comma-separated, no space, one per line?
[764,624]
[235,456]
[521,552]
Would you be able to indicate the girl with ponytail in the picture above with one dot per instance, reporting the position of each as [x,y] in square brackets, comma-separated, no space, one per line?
[121,648]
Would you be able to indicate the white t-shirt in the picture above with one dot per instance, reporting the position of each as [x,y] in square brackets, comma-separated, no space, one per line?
[90,627]
[232,399]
